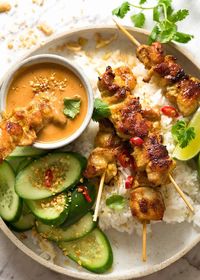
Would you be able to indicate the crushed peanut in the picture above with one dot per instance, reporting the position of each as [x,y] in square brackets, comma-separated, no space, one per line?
[38,2]
[102,42]
[4,7]
[10,46]
[47,30]
[43,84]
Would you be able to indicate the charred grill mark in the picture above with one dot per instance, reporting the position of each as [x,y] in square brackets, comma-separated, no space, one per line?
[170,70]
[132,121]
[14,128]
[143,204]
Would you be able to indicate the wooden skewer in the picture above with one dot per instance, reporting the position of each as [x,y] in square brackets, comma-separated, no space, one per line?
[178,189]
[96,211]
[144,241]
[133,40]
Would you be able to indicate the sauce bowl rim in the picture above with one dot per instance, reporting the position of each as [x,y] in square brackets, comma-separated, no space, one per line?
[77,70]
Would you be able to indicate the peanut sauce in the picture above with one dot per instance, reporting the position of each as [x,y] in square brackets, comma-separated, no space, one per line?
[48,77]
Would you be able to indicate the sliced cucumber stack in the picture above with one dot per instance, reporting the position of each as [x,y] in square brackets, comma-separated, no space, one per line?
[79,206]
[10,203]
[92,252]
[65,169]
[25,222]
[52,210]
[73,232]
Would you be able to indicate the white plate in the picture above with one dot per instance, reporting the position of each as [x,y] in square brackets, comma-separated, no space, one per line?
[167,243]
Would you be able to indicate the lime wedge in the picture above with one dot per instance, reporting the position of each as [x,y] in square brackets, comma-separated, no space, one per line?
[193,148]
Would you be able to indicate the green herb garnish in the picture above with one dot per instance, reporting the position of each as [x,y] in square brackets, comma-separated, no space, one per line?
[101,110]
[182,134]
[165,29]
[115,202]
[72,107]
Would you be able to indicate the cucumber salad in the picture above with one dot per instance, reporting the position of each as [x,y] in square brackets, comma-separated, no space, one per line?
[48,193]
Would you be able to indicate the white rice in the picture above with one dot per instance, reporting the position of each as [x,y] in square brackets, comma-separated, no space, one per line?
[186,177]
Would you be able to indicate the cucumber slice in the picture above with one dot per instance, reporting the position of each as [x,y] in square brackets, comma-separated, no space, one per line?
[25,162]
[52,210]
[79,206]
[10,203]
[27,152]
[65,167]
[92,252]
[15,162]
[193,148]
[84,226]
[25,222]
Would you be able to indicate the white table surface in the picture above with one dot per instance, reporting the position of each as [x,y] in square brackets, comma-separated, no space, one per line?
[63,15]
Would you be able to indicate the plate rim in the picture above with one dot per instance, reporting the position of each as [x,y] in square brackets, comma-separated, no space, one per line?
[82,274]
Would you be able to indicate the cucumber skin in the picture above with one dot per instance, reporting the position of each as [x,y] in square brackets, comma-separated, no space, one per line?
[94,225]
[18,213]
[15,228]
[20,206]
[75,213]
[106,266]
[54,222]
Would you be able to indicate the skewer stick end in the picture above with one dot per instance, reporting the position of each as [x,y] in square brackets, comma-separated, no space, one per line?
[144,241]
[181,193]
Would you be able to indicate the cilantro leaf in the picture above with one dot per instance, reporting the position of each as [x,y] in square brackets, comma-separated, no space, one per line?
[167,32]
[101,110]
[154,35]
[179,15]
[156,13]
[72,107]
[182,37]
[182,134]
[142,1]
[138,19]
[122,10]
[115,202]
[167,3]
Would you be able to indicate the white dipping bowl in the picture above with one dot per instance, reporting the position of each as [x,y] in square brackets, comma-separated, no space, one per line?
[56,59]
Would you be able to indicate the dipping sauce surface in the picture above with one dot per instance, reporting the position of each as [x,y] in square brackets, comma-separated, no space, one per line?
[53,78]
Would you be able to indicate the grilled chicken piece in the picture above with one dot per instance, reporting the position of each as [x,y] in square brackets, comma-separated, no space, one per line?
[147,204]
[106,136]
[102,159]
[128,120]
[169,71]
[165,67]
[153,158]
[20,127]
[116,85]
[150,55]
[186,94]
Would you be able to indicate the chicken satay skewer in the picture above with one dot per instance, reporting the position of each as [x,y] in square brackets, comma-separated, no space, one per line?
[96,211]
[178,189]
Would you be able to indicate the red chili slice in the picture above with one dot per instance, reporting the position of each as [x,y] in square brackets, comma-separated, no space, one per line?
[48,178]
[137,141]
[129,182]
[169,111]
[126,160]
[85,192]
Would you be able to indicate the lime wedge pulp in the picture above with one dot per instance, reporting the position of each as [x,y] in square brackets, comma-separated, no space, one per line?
[193,148]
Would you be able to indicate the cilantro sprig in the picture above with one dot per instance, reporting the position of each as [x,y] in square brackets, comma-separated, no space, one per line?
[72,107]
[182,134]
[101,110]
[165,29]
[116,202]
